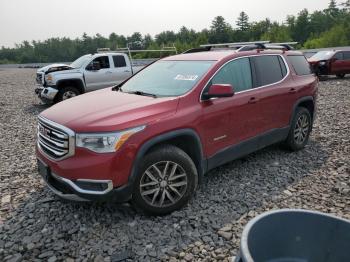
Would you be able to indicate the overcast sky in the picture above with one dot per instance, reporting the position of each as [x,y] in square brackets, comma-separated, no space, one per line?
[40,19]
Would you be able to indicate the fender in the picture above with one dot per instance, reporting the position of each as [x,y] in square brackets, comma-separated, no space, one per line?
[298,102]
[202,167]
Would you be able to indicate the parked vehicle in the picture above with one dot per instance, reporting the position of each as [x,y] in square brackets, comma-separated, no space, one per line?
[59,82]
[151,139]
[335,62]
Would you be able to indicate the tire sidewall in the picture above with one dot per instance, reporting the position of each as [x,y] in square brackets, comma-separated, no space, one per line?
[65,89]
[291,140]
[166,153]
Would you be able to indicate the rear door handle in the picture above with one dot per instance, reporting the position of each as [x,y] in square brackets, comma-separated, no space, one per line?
[126,71]
[292,91]
[252,100]
[108,72]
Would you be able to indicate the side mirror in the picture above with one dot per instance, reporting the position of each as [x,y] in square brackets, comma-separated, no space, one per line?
[219,90]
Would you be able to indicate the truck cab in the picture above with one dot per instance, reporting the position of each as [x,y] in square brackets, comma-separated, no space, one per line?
[90,72]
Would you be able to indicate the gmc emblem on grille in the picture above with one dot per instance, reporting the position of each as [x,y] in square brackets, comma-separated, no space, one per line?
[44,131]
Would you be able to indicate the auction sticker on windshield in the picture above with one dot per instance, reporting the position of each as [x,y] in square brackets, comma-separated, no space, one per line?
[186,77]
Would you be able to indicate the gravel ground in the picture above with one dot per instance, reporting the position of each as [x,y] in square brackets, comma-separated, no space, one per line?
[35,225]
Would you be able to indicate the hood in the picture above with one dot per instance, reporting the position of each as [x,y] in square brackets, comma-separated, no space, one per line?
[107,110]
[54,68]
[313,61]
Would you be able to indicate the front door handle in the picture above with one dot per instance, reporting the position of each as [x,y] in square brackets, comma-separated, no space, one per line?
[252,100]
[108,72]
[292,90]
[126,71]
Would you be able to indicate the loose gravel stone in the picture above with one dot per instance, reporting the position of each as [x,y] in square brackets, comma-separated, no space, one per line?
[35,224]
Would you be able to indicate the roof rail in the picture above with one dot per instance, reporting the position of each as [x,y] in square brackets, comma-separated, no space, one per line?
[285,45]
[243,46]
[236,44]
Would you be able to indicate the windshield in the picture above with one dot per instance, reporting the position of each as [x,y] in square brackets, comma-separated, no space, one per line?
[81,61]
[168,78]
[323,55]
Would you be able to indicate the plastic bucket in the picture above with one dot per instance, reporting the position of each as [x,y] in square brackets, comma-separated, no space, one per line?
[290,235]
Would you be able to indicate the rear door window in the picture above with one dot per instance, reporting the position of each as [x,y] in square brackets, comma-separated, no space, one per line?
[238,73]
[269,69]
[119,61]
[300,64]
[346,55]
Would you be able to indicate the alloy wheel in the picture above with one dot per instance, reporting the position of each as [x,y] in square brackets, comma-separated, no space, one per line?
[163,184]
[68,94]
[301,129]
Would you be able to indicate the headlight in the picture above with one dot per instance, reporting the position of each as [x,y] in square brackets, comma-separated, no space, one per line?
[49,79]
[322,63]
[105,142]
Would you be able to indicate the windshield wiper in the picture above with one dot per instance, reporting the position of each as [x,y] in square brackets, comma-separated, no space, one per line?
[141,93]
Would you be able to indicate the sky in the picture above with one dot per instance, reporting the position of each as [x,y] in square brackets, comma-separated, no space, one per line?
[41,19]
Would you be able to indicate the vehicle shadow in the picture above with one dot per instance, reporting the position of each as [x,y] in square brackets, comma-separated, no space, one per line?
[334,78]
[35,109]
[93,230]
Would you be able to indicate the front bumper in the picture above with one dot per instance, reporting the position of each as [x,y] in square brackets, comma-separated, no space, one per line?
[83,189]
[46,94]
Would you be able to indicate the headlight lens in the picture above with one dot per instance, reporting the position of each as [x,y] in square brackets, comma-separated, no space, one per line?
[105,142]
[49,79]
[322,63]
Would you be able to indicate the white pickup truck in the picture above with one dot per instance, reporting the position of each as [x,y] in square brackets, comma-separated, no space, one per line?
[58,82]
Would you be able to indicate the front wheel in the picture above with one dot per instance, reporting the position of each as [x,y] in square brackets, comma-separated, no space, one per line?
[340,75]
[300,129]
[66,93]
[166,181]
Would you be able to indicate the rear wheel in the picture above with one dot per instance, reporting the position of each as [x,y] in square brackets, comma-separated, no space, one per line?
[67,93]
[340,75]
[166,182]
[300,129]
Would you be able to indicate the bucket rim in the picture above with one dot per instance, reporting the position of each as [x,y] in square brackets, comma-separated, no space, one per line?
[244,250]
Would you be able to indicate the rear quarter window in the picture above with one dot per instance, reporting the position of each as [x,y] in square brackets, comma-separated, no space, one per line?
[300,64]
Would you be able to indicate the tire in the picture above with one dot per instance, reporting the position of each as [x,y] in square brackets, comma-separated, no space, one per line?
[340,75]
[299,131]
[66,93]
[149,179]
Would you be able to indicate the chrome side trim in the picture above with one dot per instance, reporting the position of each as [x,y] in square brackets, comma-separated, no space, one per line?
[256,88]
[84,191]
[69,132]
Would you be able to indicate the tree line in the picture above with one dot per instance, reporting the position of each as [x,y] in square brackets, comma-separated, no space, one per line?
[327,28]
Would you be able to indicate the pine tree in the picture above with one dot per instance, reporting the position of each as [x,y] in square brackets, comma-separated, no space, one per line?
[332,8]
[243,21]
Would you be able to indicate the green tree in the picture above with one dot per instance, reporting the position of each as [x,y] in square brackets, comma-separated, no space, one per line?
[220,31]
[243,21]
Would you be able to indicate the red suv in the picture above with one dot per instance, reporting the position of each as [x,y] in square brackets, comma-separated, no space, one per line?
[331,63]
[151,139]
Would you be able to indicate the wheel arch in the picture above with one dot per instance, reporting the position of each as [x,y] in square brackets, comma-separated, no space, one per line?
[306,102]
[75,82]
[186,139]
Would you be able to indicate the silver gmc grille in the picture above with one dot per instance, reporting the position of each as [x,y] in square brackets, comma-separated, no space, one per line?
[54,140]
